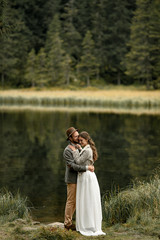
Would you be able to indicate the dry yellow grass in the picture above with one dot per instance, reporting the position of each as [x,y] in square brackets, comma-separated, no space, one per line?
[112,100]
[88,94]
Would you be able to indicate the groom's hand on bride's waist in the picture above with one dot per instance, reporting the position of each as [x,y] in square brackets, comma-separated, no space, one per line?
[91,168]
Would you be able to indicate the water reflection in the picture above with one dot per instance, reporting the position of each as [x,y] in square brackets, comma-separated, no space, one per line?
[32,143]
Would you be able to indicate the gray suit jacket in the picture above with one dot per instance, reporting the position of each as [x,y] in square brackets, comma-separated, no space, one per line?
[71,167]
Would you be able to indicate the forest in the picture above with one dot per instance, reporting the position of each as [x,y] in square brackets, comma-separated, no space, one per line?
[76,42]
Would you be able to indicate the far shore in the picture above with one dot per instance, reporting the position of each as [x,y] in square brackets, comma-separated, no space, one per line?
[114,99]
[116,93]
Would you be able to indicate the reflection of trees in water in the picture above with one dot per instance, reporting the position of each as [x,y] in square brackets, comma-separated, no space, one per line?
[32,145]
[143,136]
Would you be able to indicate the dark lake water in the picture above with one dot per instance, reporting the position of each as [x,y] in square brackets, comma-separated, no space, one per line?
[32,144]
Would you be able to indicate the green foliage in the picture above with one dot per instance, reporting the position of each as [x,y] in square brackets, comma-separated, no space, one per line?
[12,207]
[30,73]
[143,61]
[80,40]
[112,37]
[14,48]
[88,65]
[55,60]
[53,29]
[155,43]
[4,25]
[41,68]
[134,203]
[71,36]
[55,234]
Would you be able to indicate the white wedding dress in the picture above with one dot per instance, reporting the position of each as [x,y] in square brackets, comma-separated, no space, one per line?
[88,199]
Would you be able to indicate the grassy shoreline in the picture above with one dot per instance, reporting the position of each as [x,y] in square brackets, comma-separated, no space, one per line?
[21,230]
[134,111]
[133,213]
[120,99]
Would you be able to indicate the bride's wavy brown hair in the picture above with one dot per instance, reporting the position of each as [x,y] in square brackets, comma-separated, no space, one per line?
[87,137]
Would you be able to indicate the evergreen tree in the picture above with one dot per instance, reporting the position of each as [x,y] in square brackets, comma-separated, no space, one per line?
[41,68]
[53,29]
[84,14]
[37,15]
[117,16]
[55,61]
[58,62]
[4,25]
[71,37]
[61,31]
[30,73]
[88,65]
[143,60]
[8,60]
[99,31]
[14,47]
[155,42]
[67,69]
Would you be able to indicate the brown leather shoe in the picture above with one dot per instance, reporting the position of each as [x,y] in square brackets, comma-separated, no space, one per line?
[72,227]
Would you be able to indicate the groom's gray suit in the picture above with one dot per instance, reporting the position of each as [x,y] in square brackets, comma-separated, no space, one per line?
[71,179]
[71,167]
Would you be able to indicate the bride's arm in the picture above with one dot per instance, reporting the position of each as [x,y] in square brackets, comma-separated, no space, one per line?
[83,157]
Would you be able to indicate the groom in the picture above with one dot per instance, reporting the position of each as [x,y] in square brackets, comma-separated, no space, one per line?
[71,176]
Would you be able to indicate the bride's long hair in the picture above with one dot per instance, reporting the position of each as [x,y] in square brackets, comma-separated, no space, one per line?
[87,137]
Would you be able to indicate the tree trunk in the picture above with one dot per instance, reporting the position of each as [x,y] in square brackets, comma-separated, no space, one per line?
[147,84]
[67,79]
[97,74]
[2,79]
[33,84]
[148,80]
[118,78]
[88,81]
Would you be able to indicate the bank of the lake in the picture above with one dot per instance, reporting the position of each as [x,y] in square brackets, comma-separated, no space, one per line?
[27,231]
[120,98]
[140,216]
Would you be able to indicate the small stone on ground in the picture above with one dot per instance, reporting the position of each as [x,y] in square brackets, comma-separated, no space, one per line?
[56,225]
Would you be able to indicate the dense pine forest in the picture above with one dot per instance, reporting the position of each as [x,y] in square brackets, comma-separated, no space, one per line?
[79,42]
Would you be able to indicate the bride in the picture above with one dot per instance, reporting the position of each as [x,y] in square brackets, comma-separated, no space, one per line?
[88,199]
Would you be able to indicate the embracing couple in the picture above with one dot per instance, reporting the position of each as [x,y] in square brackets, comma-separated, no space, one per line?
[83,193]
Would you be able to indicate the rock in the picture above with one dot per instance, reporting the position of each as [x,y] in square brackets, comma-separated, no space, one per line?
[56,225]
[20,220]
[29,229]
[35,223]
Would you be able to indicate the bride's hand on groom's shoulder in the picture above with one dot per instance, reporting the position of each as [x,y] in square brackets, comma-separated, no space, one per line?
[72,147]
[78,146]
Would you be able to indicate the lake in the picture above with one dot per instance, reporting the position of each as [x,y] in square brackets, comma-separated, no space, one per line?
[31,153]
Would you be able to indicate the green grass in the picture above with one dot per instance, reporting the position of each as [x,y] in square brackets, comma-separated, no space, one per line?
[12,206]
[130,214]
[137,207]
[77,87]
[133,213]
[117,232]
[80,102]
[54,234]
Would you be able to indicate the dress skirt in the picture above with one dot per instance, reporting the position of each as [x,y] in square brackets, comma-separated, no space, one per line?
[88,205]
